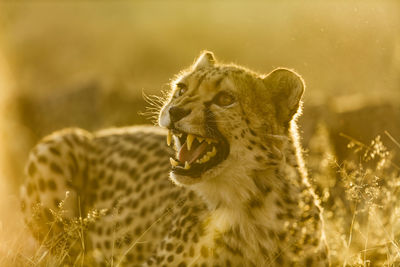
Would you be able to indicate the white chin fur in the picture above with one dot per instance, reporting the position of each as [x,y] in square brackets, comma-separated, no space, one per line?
[182,180]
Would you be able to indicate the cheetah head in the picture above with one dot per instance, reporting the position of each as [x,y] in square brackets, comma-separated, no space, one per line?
[219,117]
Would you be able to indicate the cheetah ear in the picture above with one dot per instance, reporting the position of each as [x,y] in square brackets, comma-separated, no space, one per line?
[287,88]
[206,59]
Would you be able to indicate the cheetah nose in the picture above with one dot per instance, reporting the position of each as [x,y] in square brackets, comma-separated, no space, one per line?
[177,113]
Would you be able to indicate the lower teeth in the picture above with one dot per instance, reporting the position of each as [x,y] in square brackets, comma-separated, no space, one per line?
[173,162]
[187,165]
[189,140]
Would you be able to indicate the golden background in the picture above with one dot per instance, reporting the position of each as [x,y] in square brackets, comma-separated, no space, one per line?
[87,63]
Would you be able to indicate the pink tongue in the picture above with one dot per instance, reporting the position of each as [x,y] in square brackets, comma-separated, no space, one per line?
[191,155]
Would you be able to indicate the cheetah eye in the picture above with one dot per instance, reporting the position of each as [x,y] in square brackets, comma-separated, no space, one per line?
[224,99]
[182,88]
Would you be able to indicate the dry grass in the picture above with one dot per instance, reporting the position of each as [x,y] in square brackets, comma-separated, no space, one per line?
[360,201]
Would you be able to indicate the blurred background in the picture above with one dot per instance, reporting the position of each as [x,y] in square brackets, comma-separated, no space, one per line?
[87,64]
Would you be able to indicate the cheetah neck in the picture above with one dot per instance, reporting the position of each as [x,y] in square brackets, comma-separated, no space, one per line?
[251,203]
[244,186]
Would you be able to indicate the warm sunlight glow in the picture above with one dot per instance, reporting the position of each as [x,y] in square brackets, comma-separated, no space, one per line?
[101,64]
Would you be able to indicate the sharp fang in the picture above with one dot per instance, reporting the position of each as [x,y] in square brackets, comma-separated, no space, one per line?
[173,162]
[212,153]
[200,139]
[187,165]
[205,158]
[169,138]
[189,141]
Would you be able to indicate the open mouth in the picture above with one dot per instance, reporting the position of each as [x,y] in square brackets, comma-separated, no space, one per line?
[196,154]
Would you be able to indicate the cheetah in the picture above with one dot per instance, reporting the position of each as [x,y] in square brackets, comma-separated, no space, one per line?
[228,187]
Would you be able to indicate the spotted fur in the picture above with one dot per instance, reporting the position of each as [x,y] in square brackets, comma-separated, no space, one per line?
[255,208]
